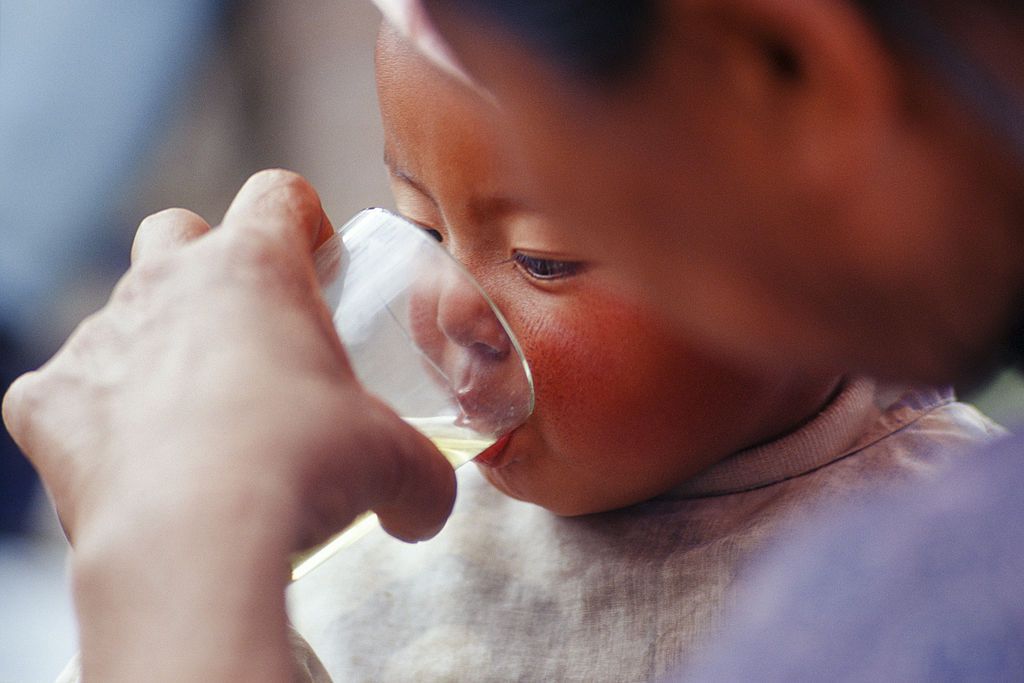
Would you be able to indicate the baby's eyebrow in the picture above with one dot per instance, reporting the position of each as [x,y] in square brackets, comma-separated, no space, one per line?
[488,207]
[494,207]
[403,175]
[412,182]
[389,159]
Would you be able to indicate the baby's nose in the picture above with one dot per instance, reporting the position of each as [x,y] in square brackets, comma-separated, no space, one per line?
[465,317]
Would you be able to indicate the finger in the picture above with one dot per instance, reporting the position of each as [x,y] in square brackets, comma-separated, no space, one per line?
[424,494]
[20,408]
[166,231]
[280,205]
[326,232]
[394,470]
[17,411]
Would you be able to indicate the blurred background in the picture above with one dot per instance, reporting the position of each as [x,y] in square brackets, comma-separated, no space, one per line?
[110,112]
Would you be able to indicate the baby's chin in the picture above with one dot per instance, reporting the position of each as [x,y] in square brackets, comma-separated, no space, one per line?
[505,480]
[496,478]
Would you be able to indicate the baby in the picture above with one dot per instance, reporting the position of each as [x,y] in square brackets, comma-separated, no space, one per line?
[602,542]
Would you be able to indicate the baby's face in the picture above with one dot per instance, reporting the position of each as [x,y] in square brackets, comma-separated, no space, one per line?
[625,410]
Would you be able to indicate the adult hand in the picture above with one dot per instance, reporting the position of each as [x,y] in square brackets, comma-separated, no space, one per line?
[200,428]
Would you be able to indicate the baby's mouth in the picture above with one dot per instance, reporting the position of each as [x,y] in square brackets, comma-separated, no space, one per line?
[479,409]
[495,455]
[482,395]
[491,397]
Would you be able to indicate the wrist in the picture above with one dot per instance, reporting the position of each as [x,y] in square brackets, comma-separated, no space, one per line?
[191,591]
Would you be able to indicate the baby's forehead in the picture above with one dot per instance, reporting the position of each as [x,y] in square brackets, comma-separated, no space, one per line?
[396,56]
[415,94]
[393,44]
[400,63]
[408,18]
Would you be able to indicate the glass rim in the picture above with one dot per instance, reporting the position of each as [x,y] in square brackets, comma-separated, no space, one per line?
[420,234]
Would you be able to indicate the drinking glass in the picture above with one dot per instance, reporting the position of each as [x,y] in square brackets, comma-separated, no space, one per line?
[422,336]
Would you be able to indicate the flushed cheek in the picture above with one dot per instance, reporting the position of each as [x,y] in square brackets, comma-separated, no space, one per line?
[577,378]
[600,378]
[598,418]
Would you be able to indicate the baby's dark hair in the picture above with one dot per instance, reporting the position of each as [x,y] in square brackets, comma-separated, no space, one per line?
[597,40]
[604,40]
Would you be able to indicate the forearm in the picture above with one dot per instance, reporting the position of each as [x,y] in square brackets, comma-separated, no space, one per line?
[196,597]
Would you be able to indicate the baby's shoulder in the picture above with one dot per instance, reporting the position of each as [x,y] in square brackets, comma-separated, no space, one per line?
[923,431]
[935,418]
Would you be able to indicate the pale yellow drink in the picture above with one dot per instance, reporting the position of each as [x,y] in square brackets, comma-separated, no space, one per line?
[458,444]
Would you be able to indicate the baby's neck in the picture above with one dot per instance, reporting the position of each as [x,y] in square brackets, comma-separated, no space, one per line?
[793,405]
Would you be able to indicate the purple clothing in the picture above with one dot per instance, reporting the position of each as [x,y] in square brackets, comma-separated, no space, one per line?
[924,586]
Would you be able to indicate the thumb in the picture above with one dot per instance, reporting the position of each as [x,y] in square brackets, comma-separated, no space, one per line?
[391,468]
[423,495]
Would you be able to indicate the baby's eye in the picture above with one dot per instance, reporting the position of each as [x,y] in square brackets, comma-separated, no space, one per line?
[546,269]
[436,234]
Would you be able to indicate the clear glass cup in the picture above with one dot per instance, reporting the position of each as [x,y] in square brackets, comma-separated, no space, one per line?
[423,336]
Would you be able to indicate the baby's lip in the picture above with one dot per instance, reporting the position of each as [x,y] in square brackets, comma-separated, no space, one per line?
[495,455]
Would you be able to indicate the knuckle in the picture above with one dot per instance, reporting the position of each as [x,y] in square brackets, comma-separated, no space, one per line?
[141,278]
[256,250]
[158,218]
[299,189]
[289,189]
[21,406]
[282,179]
[92,328]
[165,227]
[149,271]
[167,217]
[260,262]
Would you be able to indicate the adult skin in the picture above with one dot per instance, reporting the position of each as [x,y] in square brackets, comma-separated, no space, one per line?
[203,426]
[777,178]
